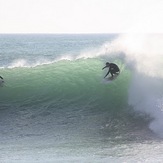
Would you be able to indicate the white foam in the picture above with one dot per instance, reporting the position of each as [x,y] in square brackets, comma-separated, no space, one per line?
[143,54]
[25,63]
[18,63]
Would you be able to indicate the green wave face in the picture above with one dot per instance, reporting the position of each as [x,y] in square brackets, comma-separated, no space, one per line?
[78,83]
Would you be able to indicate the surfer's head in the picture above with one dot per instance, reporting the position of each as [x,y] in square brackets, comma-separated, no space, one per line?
[107,63]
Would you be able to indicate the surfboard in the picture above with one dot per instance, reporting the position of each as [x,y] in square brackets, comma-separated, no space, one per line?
[111,79]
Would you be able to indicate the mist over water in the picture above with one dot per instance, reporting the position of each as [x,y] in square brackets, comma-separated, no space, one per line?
[143,55]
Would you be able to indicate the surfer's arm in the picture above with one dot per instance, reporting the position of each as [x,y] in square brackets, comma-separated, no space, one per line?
[1,77]
[104,67]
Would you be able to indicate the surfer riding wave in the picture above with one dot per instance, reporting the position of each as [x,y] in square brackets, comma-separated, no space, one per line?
[113,69]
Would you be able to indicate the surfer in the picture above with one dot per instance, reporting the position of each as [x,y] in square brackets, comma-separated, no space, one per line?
[1,77]
[113,69]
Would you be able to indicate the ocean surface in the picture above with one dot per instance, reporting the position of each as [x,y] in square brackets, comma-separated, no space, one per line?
[56,106]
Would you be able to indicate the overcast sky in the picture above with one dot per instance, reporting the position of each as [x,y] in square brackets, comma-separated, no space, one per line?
[81,16]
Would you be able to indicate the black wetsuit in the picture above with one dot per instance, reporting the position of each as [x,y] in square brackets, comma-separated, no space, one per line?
[113,69]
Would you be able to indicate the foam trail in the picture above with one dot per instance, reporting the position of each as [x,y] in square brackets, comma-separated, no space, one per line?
[25,63]
[18,63]
[143,54]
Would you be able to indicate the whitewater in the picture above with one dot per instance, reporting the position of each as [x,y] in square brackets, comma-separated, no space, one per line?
[55,105]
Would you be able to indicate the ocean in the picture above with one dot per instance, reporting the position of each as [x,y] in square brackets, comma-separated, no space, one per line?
[56,106]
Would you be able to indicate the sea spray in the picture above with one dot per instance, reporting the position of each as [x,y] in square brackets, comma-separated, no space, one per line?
[143,55]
